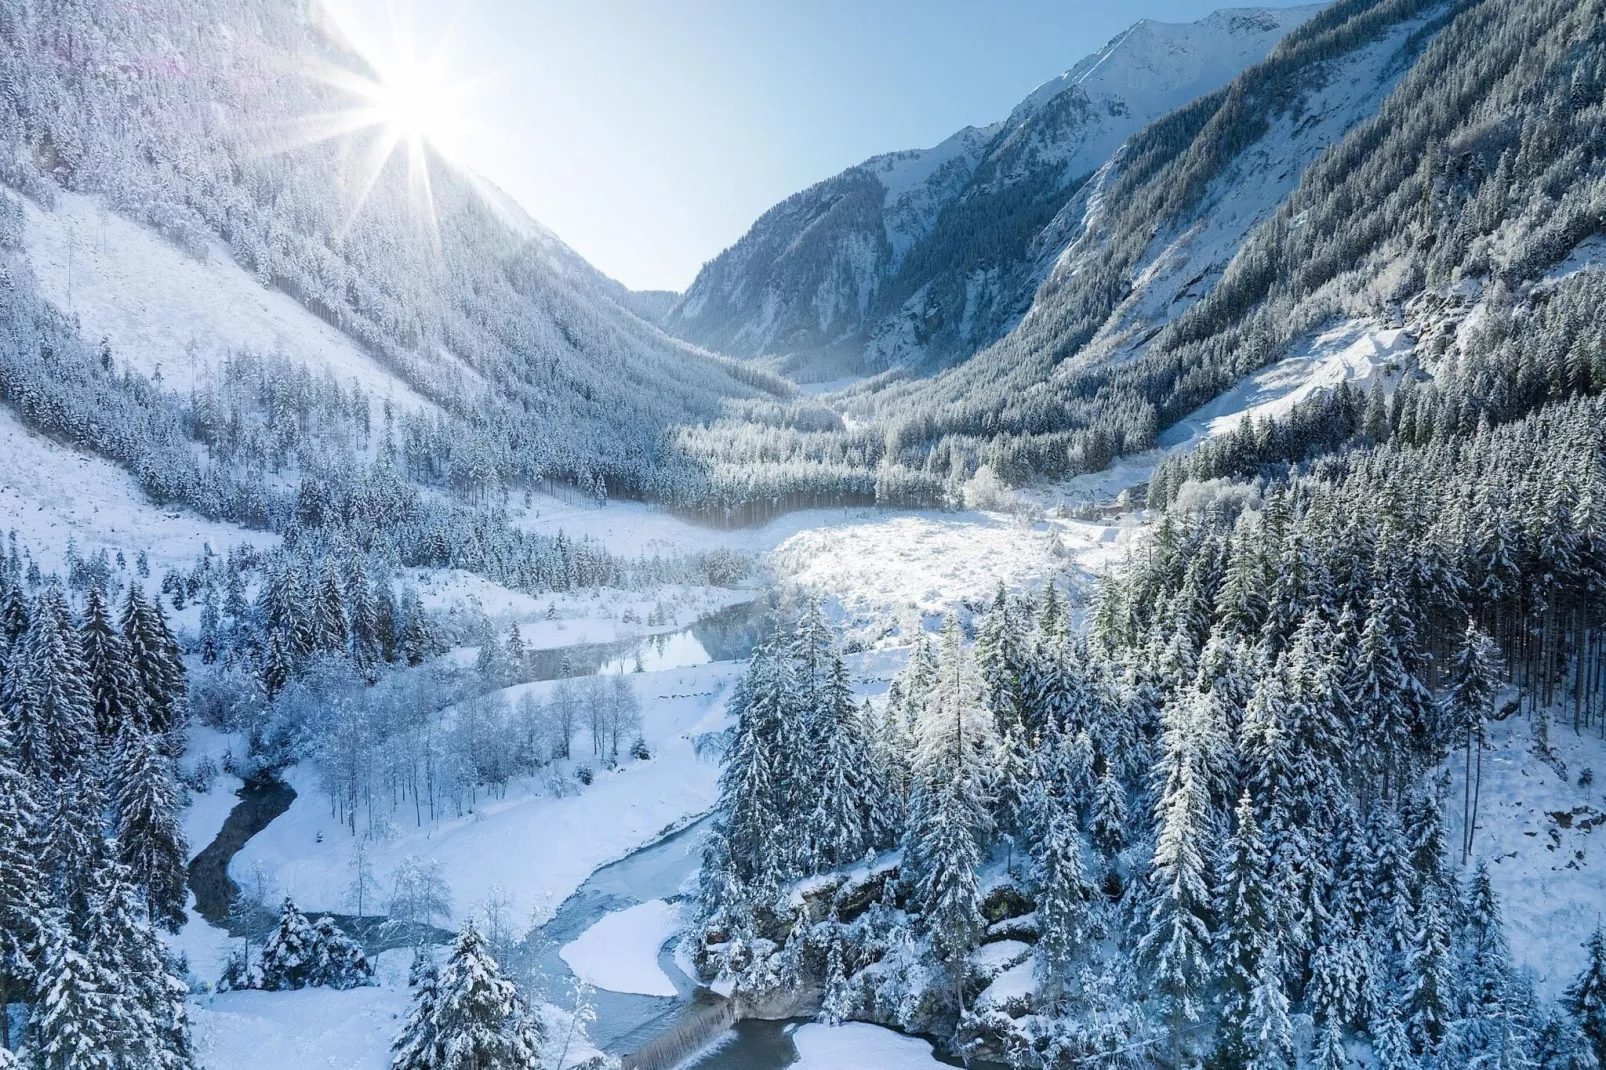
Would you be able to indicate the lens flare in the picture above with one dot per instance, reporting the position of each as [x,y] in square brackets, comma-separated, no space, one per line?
[405,102]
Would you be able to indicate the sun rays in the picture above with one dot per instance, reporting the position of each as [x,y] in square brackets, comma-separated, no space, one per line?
[407,102]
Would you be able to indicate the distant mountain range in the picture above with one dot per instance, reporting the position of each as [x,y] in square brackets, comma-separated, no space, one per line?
[929,254]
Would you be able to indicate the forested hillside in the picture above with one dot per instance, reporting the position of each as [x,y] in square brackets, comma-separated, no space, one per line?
[1474,169]
[203,125]
[1242,820]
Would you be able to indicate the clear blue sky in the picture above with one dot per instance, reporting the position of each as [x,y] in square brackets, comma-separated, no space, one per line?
[650,133]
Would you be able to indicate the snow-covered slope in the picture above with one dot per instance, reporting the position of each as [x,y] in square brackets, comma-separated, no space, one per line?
[165,310]
[1185,261]
[933,252]
[50,494]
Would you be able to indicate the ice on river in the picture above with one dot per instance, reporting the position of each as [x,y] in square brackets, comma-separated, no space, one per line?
[826,1047]
[620,951]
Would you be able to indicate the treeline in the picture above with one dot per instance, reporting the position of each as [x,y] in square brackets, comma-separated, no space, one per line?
[1231,796]
[92,853]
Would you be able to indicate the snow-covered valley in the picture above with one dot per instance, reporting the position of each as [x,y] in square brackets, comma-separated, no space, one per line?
[1167,636]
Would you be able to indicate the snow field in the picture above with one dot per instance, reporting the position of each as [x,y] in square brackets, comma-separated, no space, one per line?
[890,573]
[322,1027]
[858,1044]
[50,493]
[535,845]
[881,571]
[162,308]
[1543,837]
[620,951]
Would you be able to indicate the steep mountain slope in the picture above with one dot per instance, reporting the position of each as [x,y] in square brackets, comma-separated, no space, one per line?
[935,252]
[510,357]
[1392,163]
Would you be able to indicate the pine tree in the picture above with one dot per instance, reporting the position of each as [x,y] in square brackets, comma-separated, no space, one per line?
[1429,975]
[1559,1043]
[146,1021]
[1586,997]
[113,690]
[362,616]
[154,657]
[1474,677]
[415,1046]
[845,823]
[1246,929]
[1064,900]
[1268,1031]
[48,696]
[949,810]
[1330,1053]
[1390,1041]
[1108,824]
[290,952]
[338,960]
[479,1021]
[150,837]
[70,1026]
[1176,941]
[22,891]
[748,816]
[329,616]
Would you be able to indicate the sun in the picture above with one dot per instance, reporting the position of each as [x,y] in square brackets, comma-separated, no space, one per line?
[414,101]
[404,101]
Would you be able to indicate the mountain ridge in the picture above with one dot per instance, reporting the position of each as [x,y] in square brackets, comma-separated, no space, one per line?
[927,253]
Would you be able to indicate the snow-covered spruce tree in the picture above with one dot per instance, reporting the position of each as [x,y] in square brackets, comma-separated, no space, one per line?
[154,657]
[847,820]
[1429,975]
[1246,932]
[146,1020]
[1065,902]
[150,838]
[749,817]
[1176,938]
[1474,678]
[338,961]
[113,689]
[70,1026]
[1107,826]
[414,1047]
[1268,1031]
[47,695]
[479,1020]
[329,615]
[1586,996]
[290,952]
[22,886]
[950,808]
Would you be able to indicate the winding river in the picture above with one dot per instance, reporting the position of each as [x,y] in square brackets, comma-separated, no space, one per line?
[659,870]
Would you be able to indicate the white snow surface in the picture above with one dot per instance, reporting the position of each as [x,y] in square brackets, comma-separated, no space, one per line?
[50,492]
[1549,877]
[538,844]
[161,307]
[321,1027]
[858,1044]
[878,570]
[1354,352]
[620,951]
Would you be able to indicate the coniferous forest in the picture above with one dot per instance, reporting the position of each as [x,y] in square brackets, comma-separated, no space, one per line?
[383,699]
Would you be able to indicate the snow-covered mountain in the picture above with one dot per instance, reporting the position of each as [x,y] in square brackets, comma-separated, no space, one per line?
[934,252]
[204,143]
